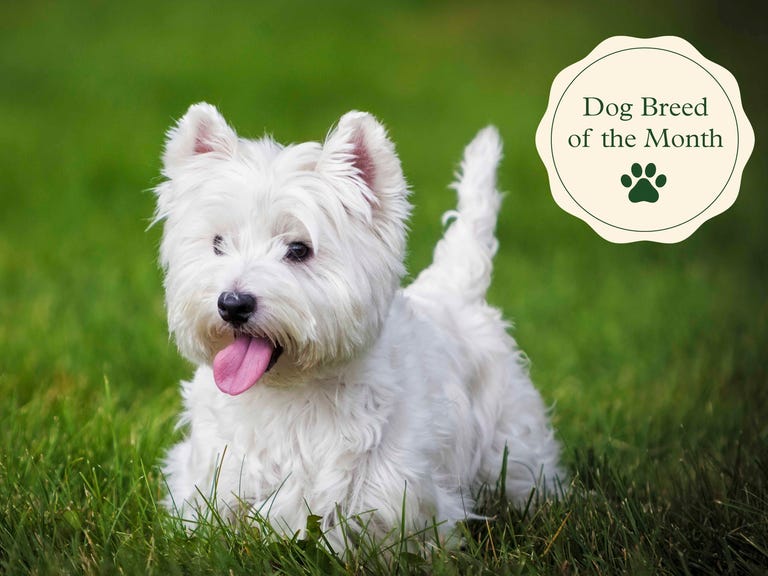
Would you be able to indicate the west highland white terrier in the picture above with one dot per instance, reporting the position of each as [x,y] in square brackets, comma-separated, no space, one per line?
[323,387]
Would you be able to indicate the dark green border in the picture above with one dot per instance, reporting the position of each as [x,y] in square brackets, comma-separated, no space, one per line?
[554,162]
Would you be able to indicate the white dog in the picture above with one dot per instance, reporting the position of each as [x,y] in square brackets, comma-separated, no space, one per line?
[322,387]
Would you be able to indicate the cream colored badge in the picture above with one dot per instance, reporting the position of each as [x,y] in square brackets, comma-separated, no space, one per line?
[645,139]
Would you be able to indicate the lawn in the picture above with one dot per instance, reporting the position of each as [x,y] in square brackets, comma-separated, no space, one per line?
[653,356]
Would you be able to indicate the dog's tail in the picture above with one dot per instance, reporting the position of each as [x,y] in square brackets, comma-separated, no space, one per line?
[462,261]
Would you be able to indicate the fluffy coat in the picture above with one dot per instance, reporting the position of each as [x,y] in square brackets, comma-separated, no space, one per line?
[386,404]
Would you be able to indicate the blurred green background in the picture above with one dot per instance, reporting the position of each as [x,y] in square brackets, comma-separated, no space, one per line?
[631,343]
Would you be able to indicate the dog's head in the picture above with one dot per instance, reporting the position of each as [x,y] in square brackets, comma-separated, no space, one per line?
[278,259]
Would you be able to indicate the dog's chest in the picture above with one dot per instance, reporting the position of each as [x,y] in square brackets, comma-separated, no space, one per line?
[301,444]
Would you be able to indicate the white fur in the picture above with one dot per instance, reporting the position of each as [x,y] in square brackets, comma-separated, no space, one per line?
[388,404]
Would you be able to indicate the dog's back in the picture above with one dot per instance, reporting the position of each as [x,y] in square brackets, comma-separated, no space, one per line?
[508,413]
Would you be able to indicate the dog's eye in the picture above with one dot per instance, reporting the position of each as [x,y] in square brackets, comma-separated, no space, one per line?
[218,244]
[298,252]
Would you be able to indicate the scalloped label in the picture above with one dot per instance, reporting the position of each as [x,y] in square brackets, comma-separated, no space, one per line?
[645,139]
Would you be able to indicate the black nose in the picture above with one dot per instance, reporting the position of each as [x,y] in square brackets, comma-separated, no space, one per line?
[236,307]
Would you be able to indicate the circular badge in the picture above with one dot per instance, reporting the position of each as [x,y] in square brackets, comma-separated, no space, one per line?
[645,139]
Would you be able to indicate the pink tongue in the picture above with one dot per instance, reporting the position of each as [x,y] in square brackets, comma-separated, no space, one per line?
[240,365]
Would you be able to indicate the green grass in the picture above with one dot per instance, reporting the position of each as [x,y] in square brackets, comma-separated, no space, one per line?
[653,355]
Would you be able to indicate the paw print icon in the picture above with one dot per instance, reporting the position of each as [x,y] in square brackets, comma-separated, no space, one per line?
[642,188]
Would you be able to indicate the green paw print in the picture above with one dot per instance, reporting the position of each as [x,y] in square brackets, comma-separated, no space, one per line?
[643,190]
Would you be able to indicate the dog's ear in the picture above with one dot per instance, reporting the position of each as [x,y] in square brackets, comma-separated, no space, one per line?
[359,151]
[202,130]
